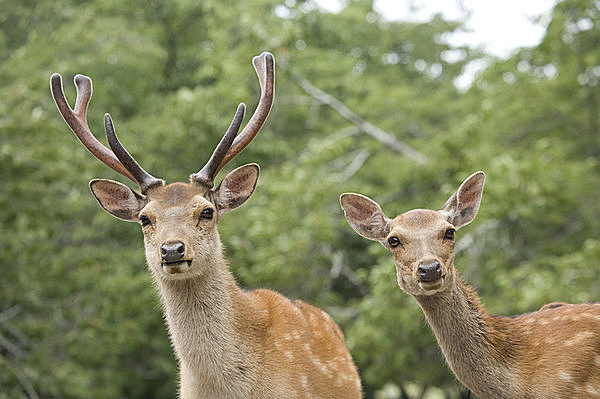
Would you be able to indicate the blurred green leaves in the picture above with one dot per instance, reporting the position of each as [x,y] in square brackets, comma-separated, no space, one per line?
[78,313]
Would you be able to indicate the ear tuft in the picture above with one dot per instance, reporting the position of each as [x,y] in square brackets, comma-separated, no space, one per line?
[118,199]
[236,187]
[462,207]
[365,216]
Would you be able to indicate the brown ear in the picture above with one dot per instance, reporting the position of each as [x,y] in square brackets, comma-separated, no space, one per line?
[118,199]
[462,207]
[365,216]
[236,187]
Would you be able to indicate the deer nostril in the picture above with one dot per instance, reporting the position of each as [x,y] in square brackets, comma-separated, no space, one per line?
[430,272]
[172,251]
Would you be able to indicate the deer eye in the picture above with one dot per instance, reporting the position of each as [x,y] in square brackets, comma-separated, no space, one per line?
[207,214]
[393,241]
[449,235]
[145,220]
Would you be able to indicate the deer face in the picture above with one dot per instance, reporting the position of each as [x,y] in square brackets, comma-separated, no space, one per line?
[179,234]
[179,221]
[421,241]
[422,245]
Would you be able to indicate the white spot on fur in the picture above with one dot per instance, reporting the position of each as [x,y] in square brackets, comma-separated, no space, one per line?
[304,381]
[592,390]
[564,376]
[322,367]
[549,340]
[289,355]
[578,338]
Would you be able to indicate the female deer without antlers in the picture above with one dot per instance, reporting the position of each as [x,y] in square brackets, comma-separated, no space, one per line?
[230,343]
[551,353]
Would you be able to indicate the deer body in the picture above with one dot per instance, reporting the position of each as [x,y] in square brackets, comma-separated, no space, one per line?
[230,343]
[551,353]
[233,344]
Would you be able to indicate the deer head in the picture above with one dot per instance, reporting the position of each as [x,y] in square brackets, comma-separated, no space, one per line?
[421,241]
[178,220]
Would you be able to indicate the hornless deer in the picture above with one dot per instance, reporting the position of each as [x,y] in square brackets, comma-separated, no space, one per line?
[230,343]
[551,353]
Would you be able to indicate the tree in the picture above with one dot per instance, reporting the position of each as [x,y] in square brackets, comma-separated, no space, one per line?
[78,315]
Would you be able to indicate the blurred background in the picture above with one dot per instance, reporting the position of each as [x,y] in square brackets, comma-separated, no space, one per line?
[389,108]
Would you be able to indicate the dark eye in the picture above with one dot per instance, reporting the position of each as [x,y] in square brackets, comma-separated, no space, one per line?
[145,220]
[207,214]
[393,241]
[449,235]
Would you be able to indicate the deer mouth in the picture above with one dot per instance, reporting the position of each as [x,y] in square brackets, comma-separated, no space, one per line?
[431,287]
[176,267]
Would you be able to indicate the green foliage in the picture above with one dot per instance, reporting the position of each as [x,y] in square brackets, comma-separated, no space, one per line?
[78,313]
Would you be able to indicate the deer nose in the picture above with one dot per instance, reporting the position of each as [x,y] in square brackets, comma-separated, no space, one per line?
[172,251]
[430,271]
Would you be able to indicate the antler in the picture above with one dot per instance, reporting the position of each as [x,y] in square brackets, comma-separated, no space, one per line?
[228,148]
[206,175]
[142,178]
[122,163]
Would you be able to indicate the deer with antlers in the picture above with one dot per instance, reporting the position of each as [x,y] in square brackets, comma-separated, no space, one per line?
[551,353]
[230,343]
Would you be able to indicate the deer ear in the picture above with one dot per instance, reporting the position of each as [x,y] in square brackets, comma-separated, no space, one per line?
[365,216]
[118,199]
[236,187]
[462,207]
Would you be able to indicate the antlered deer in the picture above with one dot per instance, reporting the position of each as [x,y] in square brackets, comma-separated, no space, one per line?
[230,343]
[551,353]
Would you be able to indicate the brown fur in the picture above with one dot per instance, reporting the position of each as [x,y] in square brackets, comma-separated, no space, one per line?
[230,343]
[553,353]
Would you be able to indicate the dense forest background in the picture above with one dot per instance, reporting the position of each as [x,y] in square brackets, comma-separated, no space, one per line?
[361,105]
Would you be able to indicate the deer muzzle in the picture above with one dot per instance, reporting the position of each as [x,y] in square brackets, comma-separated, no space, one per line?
[430,272]
[173,257]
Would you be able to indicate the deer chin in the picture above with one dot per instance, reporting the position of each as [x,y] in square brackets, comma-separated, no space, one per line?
[173,268]
[432,287]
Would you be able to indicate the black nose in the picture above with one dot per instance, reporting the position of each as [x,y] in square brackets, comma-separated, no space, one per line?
[172,251]
[430,272]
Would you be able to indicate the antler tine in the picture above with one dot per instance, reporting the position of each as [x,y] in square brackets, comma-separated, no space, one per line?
[77,121]
[264,65]
[206,175]
[142,178]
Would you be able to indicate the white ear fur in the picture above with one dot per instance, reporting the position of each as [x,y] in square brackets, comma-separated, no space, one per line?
[462,207]
[365,216]
[236,187]
[118,199]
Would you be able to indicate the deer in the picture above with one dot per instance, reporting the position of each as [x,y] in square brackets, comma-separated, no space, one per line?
[229,342]
[550,353]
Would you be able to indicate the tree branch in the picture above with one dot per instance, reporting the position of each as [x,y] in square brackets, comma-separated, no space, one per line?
[367,127]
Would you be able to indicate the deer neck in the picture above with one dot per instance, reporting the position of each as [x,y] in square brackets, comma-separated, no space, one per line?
[478,347]
[202,315]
